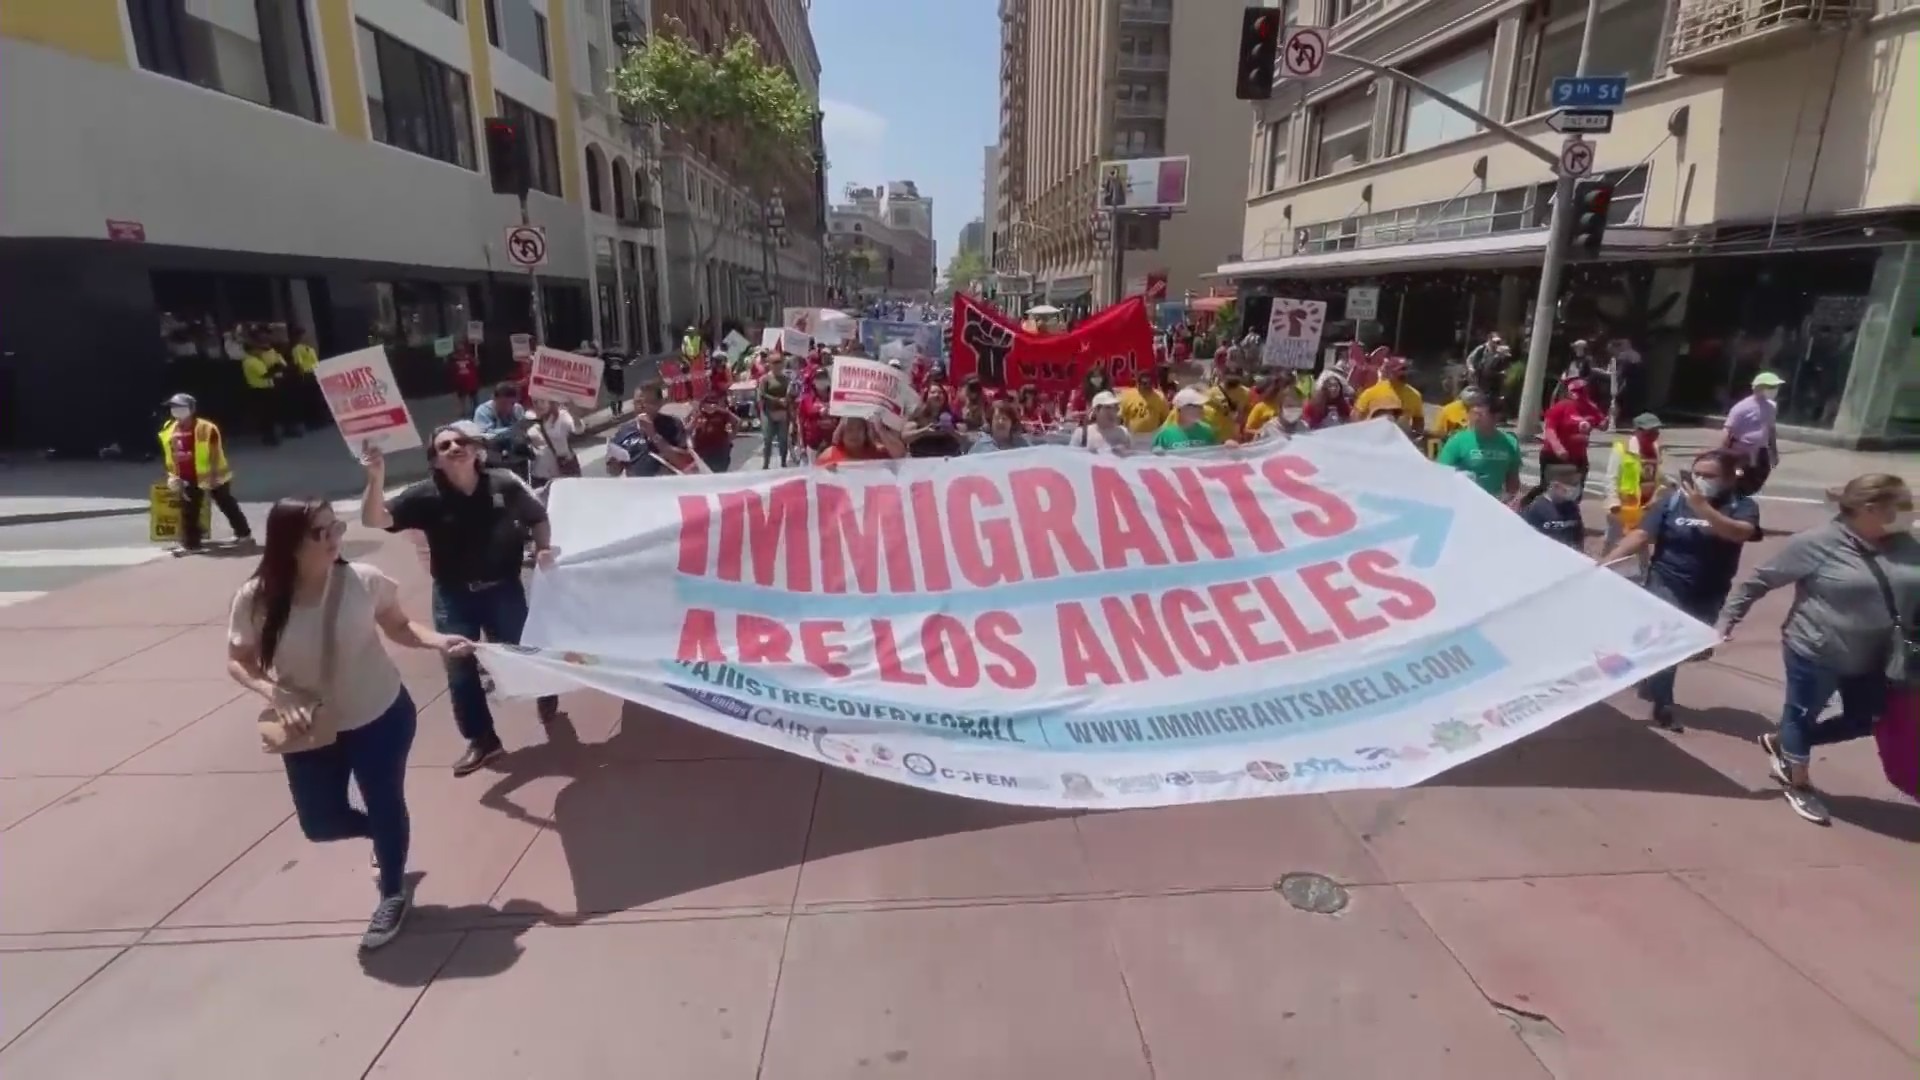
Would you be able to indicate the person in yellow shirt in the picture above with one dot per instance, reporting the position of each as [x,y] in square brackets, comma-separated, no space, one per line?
[310,405]
[1276,403]
[1143,407]
[1453,417]
[1226,407]
[1392,395]
[261,369]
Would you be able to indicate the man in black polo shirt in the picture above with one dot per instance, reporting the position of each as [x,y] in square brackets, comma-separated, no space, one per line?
[477,522]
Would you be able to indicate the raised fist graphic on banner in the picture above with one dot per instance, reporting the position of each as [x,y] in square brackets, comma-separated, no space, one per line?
[990,343]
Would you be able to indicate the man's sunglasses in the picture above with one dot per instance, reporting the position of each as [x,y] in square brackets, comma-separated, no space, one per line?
[445,446]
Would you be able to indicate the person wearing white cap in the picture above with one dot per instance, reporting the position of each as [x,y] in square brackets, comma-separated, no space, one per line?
[196,458]
[1188,428]
[1103,432]
[1750,436]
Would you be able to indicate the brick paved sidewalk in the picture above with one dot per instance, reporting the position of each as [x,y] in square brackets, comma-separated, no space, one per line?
[632,896]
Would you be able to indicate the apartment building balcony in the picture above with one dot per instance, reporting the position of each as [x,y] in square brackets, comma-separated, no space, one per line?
[628,22]
[1138,13]
[1129,62]
[1710,36]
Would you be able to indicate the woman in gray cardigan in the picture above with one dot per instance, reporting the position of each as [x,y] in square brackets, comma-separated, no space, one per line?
[1848,577]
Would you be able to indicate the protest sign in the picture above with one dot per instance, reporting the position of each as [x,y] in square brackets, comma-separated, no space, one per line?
[565,377]
[825,325]
[875,334]
[790,342]
[989,344]
[521,345]
[1051,627]
[165,514]
[476,331]
[871,391]
[365,401]
[1293,334]
[735,344]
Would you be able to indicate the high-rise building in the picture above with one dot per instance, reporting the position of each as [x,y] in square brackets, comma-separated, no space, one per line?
[726,262]
[882,240]
[989,201]
[1090,81]
[1765,196]
[973,237]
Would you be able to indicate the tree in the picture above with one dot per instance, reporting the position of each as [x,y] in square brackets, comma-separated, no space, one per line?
[965,270]
[745,109]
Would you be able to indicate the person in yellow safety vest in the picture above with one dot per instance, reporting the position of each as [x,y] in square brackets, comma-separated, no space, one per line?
[1633,480]
[311,405]
[691,348]
[196,459]
[261,368]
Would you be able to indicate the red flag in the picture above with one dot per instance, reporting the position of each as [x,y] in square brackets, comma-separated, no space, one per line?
[985,342]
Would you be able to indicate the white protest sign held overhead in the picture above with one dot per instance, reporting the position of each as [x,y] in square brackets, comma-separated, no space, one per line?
[871,390]
[1325,613]
[365,401]
[522,346]
[568,378]
[1293,333]
[791,342]
[734,344]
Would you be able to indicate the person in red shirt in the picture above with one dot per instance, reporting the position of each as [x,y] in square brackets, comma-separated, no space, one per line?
[1036,414]
[713,426]
[1566,427]
[856,440]
[816,427]
[463,373]
[1329,406]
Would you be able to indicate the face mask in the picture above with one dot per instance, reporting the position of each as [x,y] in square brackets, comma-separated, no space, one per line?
[1902,521]
[820,386]
[180,412]
[1767,393]
[1291,416]
[1708,488]
[1561,493]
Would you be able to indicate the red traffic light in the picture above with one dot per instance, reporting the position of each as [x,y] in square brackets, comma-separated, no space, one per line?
[1263,27]
[1599,198]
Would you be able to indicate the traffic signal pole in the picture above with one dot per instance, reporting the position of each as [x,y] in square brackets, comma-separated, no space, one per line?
[1557,229]
[1546,302]
[533,287]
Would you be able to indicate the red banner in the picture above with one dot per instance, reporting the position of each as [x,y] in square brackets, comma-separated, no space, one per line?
[985,342]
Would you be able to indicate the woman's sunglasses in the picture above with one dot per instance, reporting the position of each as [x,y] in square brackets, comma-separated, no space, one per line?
[332,530]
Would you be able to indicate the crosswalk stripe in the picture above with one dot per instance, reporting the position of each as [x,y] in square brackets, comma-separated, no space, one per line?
[36,559]
[9,598]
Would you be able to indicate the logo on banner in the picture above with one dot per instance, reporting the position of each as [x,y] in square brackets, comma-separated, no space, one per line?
[990,342]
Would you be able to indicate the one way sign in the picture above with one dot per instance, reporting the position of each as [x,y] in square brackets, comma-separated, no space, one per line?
[1578,121]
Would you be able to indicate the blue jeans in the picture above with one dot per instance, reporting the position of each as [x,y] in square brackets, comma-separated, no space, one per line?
[1658,687]
[1809,687]
[375,756]
[774,438]
[497,611]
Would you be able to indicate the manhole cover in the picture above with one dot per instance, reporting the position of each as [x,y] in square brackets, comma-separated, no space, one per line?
[1313,892]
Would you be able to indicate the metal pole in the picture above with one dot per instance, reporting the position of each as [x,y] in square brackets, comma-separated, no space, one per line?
[1119,258]
[766,261]
[533,286]
[1560,222]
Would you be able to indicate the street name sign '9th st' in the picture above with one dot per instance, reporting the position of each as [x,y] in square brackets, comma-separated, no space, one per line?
[1589,91]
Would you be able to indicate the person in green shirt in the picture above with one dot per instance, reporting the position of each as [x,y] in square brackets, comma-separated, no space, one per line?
[1188,429]
[1483,451]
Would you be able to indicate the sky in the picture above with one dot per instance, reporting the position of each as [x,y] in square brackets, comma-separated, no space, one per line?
[917,98]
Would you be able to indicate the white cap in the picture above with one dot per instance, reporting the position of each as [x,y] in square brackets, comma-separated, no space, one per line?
[895,362]
[1105,398]
[1192,395]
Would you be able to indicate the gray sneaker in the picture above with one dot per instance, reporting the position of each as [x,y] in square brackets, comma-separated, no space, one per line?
[1808,804]
[386,922]
[1777,764]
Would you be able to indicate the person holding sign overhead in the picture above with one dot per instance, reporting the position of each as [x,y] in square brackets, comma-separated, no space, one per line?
[858,440]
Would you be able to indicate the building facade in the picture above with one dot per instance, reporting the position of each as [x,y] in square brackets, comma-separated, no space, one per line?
[1087,81]
[1766,205]
[883,246]
[989,201]
[973,237]
[734,257]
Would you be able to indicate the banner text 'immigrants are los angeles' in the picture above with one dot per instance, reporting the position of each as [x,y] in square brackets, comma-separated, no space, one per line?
[1150,571]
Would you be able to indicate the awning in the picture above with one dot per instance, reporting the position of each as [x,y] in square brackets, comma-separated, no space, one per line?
[1466,253]
[1207,305]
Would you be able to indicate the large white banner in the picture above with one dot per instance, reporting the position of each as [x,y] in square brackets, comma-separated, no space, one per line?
[1050,627]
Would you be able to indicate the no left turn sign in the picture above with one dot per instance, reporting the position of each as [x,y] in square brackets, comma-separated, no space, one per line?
[527,246]
[1576,157]
[1304,50]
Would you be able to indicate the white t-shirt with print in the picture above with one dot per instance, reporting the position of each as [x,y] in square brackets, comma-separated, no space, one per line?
[365,680]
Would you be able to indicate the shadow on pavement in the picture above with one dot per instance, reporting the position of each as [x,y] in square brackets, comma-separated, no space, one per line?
[637,830]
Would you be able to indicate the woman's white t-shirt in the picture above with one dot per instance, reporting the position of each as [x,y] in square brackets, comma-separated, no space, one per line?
[1094,438]
[365,681]
[558,445]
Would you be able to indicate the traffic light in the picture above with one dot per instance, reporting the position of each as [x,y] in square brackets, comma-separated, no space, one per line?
[507,161]
[1590,203]
[1259,46]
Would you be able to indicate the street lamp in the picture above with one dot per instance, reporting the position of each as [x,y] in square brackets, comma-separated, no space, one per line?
[774,216]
